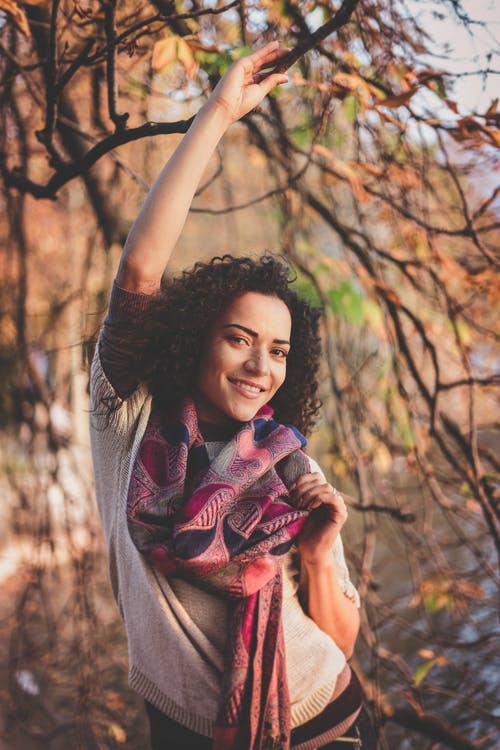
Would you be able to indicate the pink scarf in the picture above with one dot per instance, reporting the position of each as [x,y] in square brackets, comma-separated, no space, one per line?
[227,524]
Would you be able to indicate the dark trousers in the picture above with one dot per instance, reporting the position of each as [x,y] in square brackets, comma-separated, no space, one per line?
[167,734]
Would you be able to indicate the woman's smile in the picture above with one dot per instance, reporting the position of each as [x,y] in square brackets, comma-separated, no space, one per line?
[249,389]
[244,362]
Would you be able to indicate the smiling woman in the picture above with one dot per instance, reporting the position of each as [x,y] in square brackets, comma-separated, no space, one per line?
[169,332]
[244,361]
[223,535]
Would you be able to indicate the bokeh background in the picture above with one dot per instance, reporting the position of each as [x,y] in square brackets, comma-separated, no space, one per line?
[375,171]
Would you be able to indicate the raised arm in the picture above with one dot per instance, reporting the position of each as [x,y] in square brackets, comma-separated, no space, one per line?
[156,230]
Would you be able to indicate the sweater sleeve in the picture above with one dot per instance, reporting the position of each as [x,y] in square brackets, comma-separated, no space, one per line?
[118,345]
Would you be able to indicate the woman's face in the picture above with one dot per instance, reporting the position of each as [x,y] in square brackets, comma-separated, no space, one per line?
[244,361]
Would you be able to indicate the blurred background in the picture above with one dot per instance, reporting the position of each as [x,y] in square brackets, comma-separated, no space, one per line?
[375,171]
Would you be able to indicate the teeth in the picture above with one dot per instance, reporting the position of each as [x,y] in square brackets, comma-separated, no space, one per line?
[246,387]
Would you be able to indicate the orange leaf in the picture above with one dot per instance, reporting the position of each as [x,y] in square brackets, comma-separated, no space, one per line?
[388,118]
[492,109]
[398,100]
[371,169]
[470,129]
[452,105]
[164,53]
[345,169]
[186,59]
[17,14]
[174,49]
[389,294]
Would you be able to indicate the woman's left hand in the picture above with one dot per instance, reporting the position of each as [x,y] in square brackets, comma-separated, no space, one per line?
[328,515]
[245,85]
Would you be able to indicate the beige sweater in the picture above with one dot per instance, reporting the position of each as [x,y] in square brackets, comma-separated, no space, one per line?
[176,631]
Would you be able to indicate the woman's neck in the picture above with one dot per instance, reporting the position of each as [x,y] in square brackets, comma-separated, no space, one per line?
[213,432]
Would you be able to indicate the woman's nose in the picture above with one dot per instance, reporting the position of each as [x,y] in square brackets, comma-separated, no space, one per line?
[257,363]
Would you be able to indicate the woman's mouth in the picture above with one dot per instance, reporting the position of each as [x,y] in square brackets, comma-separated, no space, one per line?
[246,387]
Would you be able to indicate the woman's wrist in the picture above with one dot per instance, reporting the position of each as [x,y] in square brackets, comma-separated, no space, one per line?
[317,563]
[217,113]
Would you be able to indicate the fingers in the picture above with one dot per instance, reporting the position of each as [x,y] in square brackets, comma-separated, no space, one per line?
[268,82]
[311,491]
[267,54]
[266,57]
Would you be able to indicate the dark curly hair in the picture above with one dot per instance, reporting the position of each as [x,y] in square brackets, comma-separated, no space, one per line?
[183,312]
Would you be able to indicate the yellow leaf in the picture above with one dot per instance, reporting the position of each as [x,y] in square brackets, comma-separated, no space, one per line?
[423,670]
[17,14]
[164,53]
[382,458]
[174,49]
[117,733]
[186,59]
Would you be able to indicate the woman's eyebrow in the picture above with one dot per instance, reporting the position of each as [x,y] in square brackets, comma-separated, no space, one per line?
[254,334]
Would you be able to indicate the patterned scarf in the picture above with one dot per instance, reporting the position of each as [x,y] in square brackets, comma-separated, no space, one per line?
[227,523]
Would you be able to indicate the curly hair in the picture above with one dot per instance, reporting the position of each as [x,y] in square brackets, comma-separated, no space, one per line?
[182,314]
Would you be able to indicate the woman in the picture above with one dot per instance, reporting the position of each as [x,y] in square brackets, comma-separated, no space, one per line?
[202,491]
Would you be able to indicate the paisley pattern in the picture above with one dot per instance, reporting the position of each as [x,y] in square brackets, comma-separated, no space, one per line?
[227,524]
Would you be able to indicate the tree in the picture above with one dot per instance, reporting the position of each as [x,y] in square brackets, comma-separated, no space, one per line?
[383,200]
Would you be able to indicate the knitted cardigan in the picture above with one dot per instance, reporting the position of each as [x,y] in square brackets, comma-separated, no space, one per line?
[175,630]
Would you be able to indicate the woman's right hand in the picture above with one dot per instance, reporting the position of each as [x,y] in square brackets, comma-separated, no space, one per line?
[243,87]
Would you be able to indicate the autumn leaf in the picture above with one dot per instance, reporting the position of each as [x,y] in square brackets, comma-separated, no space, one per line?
[426,653]
[388,118]
[398,100]
[452,105]
[492,109]
[174,49]
[117,733]
[443,593]
[469,129]
[114,701]
[491,115]
[389,294]
[17,14]
[423,670]
[354,84]
[347,170]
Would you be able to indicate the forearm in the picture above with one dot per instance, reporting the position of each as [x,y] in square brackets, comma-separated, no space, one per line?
[332,611]
[156,230]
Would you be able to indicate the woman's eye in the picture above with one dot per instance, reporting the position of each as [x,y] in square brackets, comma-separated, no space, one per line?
[237,339]
[280,353]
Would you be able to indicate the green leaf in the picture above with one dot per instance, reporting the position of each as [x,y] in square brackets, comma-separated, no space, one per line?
[241,51]
[306,290]
[214,63]
[302,136]
[350,108]
[406,435]
[422,671]
[440,88]
[347,302]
